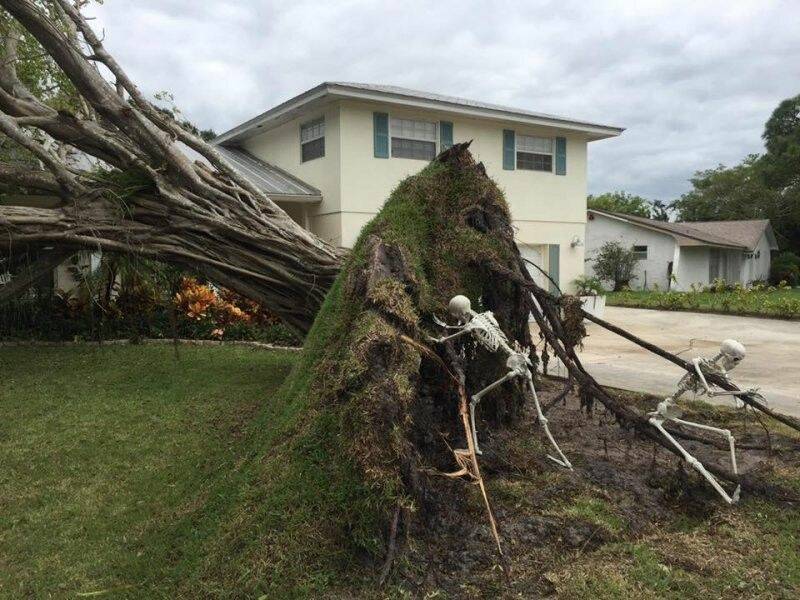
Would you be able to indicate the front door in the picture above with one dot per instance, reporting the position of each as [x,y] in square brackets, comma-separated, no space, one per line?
[535,254]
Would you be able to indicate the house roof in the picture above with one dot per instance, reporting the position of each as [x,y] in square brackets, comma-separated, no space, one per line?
[729,234]
[273,181]
[333,90]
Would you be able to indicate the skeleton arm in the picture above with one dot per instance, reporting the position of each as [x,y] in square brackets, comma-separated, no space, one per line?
[451,336]
[714,393]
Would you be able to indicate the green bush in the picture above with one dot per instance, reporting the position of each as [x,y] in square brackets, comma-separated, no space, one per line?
[777,301]
[785,267]
[588,286]
[615,263]
[49,318]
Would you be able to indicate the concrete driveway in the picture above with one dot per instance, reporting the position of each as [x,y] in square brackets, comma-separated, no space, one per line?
[772,363]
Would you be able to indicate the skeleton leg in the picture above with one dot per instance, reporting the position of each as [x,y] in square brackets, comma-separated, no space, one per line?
[543,420]
[731,444]
[477,398]
[657,423]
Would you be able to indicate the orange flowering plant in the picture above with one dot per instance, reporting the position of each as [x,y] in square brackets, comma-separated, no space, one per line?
[223,308]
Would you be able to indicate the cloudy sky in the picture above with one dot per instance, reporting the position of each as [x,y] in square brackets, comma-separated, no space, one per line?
[693,82]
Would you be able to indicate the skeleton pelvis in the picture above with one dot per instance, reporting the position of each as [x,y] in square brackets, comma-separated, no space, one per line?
[669,410]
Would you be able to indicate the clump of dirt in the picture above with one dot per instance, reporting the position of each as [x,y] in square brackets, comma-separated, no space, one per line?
[623,489]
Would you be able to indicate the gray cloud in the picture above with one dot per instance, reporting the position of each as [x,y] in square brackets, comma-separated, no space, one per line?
[693,82]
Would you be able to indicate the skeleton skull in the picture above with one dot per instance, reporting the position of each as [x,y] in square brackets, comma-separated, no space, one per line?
[461,308]
[733,353]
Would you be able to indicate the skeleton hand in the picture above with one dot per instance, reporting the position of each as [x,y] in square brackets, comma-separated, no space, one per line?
[441,323]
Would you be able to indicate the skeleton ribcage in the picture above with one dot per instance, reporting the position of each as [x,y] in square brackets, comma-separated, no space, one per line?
[487,331]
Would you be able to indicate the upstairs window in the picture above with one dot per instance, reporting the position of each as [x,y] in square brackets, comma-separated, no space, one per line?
[534,153]
[413,139]
[312,139]
[640,252]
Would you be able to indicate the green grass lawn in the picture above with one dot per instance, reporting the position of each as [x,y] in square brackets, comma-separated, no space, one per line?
[780,303]
[102,452]
[129,474]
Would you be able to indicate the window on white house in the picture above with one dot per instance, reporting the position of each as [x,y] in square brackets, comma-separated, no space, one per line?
[312,139]
[640,252]
[413,139]
[534,153]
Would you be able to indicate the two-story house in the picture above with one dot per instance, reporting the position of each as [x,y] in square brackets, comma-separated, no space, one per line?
[331,156]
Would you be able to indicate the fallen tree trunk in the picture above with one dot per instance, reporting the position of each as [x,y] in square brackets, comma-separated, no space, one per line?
[139,192]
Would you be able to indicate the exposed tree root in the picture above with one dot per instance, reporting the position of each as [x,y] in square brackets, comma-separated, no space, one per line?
[387,566]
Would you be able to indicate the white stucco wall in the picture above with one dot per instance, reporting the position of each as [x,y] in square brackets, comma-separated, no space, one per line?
[64,275]
[660,249]
[546,208]
[692,267]
[757,268]
[281,147]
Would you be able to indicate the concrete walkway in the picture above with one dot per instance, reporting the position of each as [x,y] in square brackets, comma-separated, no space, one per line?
[772,363]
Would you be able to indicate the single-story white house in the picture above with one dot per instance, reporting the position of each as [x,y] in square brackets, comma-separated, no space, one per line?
[332,155]
[677,255]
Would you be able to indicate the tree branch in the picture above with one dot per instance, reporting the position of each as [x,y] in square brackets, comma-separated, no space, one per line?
[713,378]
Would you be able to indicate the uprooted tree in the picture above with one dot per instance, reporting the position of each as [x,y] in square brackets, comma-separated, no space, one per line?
[371,402]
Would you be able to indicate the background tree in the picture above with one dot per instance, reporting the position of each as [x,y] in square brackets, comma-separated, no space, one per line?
[621,202]
[629,204]
[615,263]
[760,187]
[660,210]
[782,140]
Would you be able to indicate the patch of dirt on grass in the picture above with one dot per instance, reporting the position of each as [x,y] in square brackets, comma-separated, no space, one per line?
[623,491]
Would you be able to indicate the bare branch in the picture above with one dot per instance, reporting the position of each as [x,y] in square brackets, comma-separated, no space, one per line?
[25,177]
[67,180]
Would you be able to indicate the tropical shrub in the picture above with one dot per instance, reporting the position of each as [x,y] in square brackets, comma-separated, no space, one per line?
[135,306]
[615,263]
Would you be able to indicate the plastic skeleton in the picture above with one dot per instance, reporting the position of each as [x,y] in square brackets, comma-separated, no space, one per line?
[483,327]
[731,354]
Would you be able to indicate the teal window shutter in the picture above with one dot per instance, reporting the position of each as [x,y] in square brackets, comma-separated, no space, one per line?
[445,135]
[380,126]
[553,266]
[561,156]
[509,150]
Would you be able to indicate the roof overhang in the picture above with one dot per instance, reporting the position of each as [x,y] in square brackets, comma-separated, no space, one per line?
[681,239]
[326,93]
[276,183]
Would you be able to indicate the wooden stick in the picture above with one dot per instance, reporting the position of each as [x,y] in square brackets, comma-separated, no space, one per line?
[464,412]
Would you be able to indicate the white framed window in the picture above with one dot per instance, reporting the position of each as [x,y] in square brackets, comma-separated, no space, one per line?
[640,252]
[413,139]
[535,153]
[312,139]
